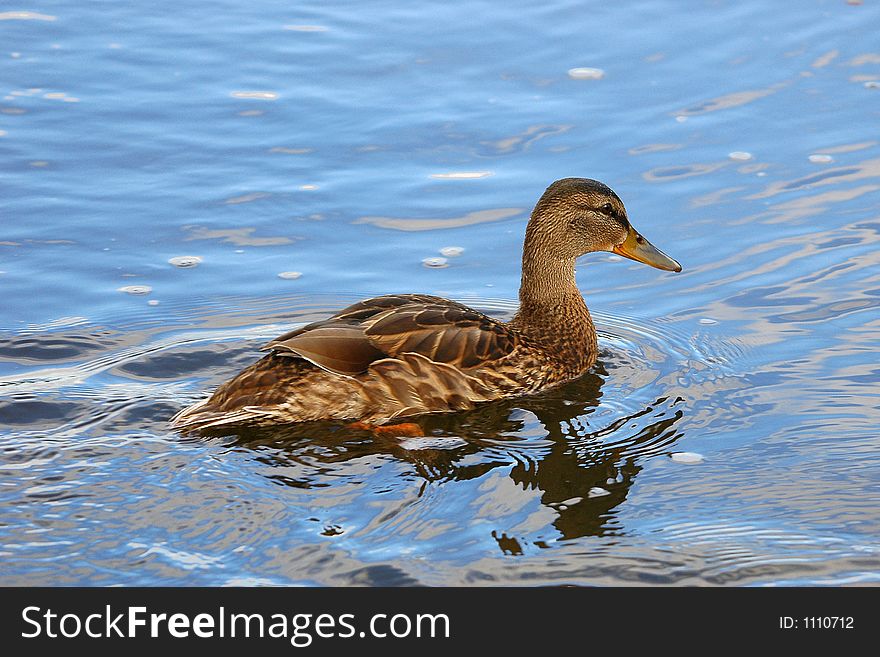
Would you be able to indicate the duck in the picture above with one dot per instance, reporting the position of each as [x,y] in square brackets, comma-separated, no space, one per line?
[398,356]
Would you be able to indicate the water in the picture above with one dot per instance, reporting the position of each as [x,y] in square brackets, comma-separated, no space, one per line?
[729,433]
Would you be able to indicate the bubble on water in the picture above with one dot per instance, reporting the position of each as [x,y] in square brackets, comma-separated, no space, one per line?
[432,442]
[820,158]
[708,321]
[135,289]
[308,187]
[740,156]
[872,84]
[15,55]
[451,251]
[290,275]
[26,16]
[185,261]
[152,302]
[596,491]
[239,250]
[586,73]
[686,457]
[461,175]
[681,118]
[614,258]
[435,262]
[255,95]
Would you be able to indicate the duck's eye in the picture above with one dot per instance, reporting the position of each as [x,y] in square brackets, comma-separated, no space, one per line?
[608,209]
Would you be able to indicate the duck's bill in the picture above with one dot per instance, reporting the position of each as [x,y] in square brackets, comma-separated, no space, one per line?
[639,249]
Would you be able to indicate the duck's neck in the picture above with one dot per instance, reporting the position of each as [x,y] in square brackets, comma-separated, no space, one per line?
[552,310]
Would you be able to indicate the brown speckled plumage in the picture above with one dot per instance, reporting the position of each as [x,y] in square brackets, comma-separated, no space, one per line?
[401,355]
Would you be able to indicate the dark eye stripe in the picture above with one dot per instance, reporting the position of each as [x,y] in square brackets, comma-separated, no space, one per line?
[609,210]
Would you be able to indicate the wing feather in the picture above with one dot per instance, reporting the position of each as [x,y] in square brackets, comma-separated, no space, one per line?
[452,334]
[440,330]
[340,348]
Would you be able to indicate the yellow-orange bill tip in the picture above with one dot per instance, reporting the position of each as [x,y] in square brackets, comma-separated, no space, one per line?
[637,248]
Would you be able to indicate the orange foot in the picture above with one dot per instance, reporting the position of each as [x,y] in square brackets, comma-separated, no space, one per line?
[404,429]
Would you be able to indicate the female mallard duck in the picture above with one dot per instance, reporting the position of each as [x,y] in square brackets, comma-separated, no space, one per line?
[405,354]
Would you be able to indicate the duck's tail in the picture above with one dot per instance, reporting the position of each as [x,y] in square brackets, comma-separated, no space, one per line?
[203,415]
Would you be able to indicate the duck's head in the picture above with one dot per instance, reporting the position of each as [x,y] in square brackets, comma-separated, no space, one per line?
[575,216]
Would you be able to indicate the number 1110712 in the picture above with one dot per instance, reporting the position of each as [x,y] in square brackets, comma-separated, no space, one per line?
[816,623]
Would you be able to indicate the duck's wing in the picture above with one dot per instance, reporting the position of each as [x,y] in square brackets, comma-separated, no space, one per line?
[442,331]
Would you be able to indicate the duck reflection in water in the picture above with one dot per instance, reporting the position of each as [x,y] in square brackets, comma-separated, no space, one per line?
[583,467]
